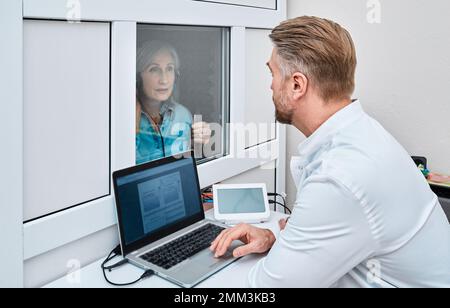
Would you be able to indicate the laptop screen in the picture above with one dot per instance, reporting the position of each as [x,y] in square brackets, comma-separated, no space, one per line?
[157,197]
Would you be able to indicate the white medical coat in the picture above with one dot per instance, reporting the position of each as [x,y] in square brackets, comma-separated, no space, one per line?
[364,215]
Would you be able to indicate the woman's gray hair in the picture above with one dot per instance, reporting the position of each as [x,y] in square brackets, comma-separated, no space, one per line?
[147,52]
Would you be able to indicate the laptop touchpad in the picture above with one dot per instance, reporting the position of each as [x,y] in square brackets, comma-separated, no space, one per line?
[205,262]
[206,258]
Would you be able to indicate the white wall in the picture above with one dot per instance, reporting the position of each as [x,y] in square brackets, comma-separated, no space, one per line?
[403,74]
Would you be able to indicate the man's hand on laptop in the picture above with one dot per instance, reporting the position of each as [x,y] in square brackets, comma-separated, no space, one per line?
[257,241]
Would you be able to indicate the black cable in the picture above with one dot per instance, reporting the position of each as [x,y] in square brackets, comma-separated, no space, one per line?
[162,139]
[118,264]
[162,143]
[146,274]
[117,250]
[285,207]
[275,202]
[114,253]
[277,195]
[207,189]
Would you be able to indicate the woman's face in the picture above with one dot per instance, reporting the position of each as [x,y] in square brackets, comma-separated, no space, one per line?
[159,77]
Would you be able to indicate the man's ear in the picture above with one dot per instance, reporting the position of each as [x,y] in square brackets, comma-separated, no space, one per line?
[299,85]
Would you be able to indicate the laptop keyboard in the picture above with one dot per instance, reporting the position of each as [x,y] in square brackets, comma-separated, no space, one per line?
[182,248]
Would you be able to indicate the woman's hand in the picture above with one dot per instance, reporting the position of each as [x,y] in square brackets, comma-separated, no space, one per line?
[202,132]
[257,240]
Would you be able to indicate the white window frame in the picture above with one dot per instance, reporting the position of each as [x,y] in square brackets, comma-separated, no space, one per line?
[11,132]
[263,4]
[43,235]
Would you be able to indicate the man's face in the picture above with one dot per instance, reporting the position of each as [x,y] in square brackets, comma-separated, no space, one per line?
[283,112]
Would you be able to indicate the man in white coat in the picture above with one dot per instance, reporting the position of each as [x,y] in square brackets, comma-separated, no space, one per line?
[364,215]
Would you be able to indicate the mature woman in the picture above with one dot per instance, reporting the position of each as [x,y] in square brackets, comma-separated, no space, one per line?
[163,126]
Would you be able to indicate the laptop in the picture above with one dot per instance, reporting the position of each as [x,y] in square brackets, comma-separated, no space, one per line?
[162,224]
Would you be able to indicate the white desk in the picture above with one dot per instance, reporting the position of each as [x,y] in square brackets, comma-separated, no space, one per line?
[233,276]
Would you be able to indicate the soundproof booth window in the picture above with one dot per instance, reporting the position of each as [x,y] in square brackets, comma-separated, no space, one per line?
[182,91]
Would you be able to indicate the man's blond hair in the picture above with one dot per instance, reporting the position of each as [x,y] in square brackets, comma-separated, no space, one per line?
[321,50]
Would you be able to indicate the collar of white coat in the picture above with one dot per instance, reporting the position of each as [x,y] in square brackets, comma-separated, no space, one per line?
[329,128]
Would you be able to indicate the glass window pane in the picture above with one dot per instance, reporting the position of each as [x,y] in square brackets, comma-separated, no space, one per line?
[182,90]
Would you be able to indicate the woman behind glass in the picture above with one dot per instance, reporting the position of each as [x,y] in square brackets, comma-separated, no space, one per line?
[163,126]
